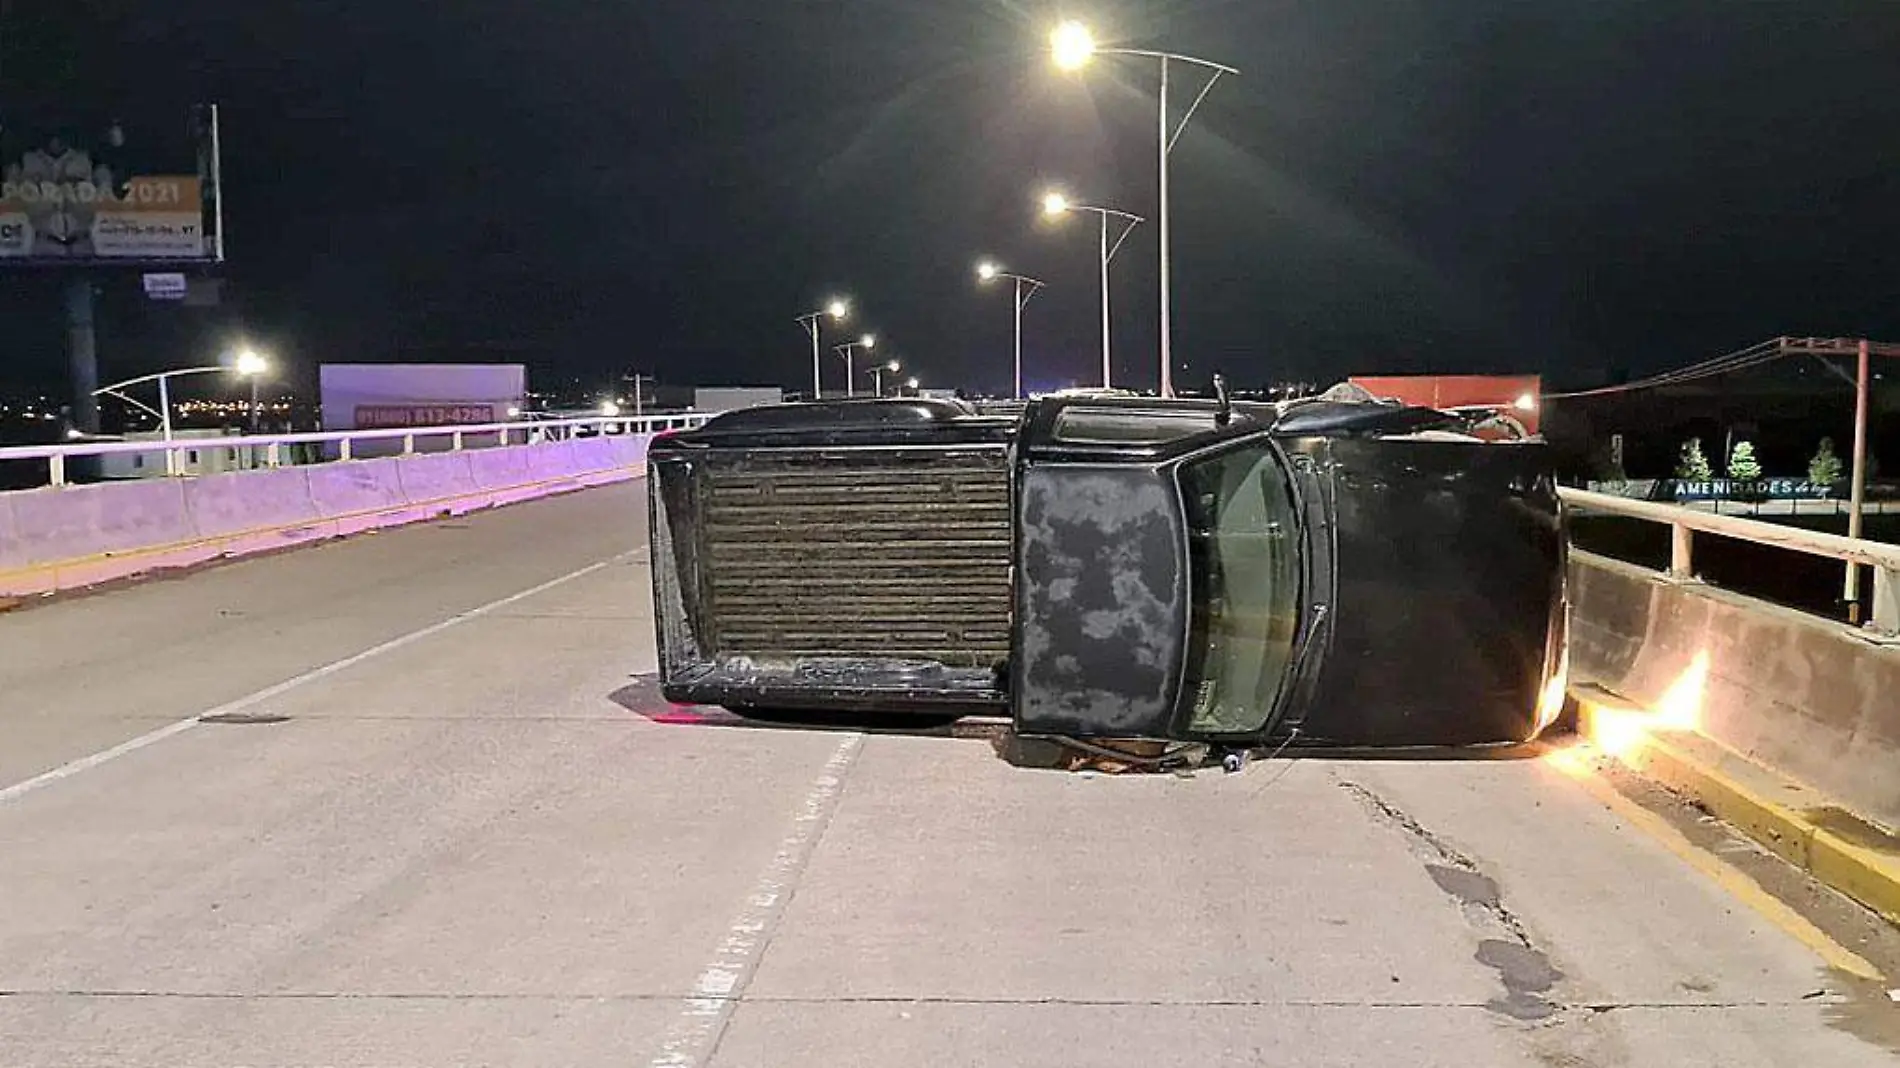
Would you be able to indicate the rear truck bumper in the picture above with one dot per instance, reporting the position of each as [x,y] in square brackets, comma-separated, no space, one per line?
[842,686]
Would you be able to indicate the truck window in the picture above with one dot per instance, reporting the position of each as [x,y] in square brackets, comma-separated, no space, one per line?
[1244,547]
[1082,425]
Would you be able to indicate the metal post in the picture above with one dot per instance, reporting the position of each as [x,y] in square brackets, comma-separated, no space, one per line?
[165,423]
[274,454]
[1167,355]
[455,441]
[1019,339]
[408,444]
[217,184]
[254,412]
[817,379]
[1681,551]
[343,449]
[56,469]
[850,377]
[1106,374]
[1858,497]
[82,341]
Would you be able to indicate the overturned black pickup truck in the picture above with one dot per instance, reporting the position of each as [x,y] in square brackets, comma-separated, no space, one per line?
[1337,570]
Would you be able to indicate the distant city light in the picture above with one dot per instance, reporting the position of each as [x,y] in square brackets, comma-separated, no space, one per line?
[609,409]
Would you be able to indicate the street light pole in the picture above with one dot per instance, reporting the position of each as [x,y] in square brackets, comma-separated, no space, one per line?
[1167,328]
[1019,337]
[877,374]
[1057,204]
[867,343]
[248,363]
[989,272]
[165,422]
[837,309]
[1073,46]
[1108,372]
[817,386]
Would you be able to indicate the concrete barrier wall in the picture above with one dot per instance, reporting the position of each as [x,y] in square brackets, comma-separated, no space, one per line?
[1806,696]
[67,537]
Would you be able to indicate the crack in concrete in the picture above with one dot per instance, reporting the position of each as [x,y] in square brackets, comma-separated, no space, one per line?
[1459,875]
[1525,970]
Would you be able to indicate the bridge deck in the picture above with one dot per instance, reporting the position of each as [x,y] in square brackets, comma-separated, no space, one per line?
[468,840]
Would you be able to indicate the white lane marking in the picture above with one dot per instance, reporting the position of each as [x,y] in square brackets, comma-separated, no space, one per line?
[86,763]
[696,1032]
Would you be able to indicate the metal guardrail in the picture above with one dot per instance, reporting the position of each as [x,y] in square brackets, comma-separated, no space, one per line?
[474,435]
[1685,523]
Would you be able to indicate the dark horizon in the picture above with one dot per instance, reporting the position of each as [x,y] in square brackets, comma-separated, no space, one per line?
[1481,186]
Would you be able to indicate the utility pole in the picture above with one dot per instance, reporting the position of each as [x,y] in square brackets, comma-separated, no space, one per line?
[1858,494]
[639,397]
[83,352]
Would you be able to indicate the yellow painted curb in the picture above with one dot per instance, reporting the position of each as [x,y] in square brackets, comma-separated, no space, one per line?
[1787,818]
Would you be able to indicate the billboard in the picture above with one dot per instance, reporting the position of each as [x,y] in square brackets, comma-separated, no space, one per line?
[729,398]
[381,396]
[78,193]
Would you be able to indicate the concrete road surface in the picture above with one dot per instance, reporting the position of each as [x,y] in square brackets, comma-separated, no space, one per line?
[439,818]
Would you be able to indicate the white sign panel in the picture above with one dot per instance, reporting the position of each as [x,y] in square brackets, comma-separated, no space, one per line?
[166,286]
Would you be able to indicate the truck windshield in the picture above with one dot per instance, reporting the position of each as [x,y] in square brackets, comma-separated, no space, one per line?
[1244,547]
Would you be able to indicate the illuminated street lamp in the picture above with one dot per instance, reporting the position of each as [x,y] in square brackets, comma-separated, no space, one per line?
[253,366]
[844,351]
[838,310]
[1026,288]
[247,364]
[1055,205]
[1072,46]
[877,373]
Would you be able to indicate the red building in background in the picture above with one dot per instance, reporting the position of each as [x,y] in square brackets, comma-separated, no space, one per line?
[1517,396]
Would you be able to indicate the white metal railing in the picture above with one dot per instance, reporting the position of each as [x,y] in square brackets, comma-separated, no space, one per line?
[1684,523]
[475,435]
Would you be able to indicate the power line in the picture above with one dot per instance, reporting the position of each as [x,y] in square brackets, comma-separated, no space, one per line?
[1741,359]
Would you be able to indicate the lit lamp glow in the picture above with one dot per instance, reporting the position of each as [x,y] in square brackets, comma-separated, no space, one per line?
[1072,44]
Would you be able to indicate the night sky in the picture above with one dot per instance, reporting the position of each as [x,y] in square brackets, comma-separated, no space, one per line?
[663,185]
